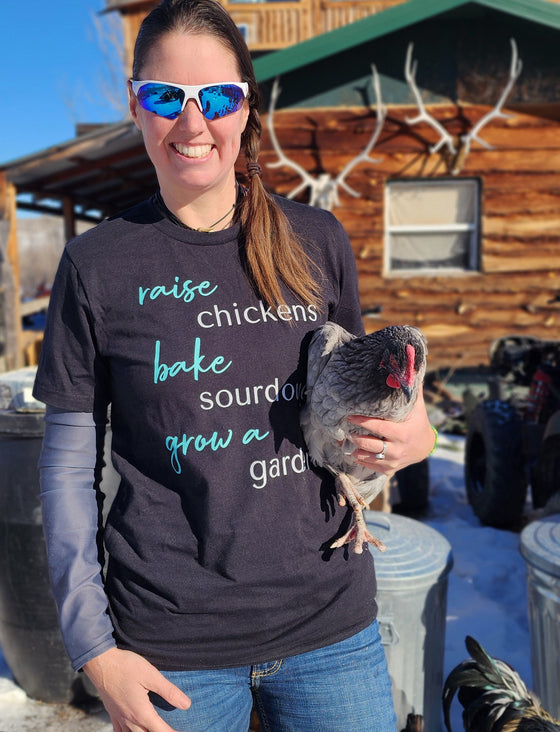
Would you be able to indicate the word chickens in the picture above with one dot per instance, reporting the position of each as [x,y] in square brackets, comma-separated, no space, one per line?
[376,375]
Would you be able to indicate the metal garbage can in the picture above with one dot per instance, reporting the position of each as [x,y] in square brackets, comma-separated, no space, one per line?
[540,547]
[30,638]
[412,577]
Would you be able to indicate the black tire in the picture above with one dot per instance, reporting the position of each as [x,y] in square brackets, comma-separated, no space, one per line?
[413,483]
[494,466]
[545,476]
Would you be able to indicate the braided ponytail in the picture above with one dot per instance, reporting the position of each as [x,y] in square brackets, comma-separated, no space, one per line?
[273,254]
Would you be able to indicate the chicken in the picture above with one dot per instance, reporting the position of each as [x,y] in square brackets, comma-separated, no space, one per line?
[493,696]
[376,375]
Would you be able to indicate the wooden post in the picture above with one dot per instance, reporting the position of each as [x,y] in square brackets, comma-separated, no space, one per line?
[316,13]
[69,218]
[10,292]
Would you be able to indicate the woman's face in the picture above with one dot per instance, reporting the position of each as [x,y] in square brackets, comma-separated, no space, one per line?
[191,155]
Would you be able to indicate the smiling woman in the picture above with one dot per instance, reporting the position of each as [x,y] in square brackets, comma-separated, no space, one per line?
[190,316]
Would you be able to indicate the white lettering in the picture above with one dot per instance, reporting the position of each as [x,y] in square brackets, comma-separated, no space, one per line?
[261,471]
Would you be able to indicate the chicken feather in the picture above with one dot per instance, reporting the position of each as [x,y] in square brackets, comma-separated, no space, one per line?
[376,375]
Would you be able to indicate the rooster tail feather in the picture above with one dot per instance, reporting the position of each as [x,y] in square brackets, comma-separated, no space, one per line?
[484,713]
[448,695]
[498,673]
[467,678]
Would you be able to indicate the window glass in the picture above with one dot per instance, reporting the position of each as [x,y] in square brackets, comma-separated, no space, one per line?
[432,225]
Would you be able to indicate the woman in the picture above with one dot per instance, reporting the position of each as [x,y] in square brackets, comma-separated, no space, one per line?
[190,316]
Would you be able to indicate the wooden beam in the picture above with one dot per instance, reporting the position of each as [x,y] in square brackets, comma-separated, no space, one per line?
[69,218]
[14,356]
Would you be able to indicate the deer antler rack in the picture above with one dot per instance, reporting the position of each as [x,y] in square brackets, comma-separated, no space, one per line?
[459,148]
[424,116]
[515,67]
[324,188]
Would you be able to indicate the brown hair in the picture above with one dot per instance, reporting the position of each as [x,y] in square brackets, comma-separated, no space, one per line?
[273,255]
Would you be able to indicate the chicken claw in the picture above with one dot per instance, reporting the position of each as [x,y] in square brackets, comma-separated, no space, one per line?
[348,494]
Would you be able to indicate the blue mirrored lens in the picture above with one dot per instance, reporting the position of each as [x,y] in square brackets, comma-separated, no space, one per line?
[166,100]
[161,99]
[220,100]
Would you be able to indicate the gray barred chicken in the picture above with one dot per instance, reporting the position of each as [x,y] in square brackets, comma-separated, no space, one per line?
[493,696]
[376,375]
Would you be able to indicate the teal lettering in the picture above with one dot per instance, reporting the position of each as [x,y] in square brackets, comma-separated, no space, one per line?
[163,371]
[184,291]
[180,444]
[253,434]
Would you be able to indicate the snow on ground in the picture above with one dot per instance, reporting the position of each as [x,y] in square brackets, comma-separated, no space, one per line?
[487,598]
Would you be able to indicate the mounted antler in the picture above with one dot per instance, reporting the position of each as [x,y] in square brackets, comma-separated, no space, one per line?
[459,148]
[424,115]
[324,188]
[515,68]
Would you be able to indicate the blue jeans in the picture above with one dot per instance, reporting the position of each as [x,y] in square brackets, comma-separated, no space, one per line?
[344,687]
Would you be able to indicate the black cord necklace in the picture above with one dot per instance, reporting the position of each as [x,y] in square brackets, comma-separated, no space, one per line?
[158,200]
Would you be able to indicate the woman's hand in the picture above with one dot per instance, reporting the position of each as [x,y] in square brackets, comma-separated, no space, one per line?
[123,680]
[404,443]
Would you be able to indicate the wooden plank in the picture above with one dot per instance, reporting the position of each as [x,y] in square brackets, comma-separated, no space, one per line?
[14,338]
[525,264]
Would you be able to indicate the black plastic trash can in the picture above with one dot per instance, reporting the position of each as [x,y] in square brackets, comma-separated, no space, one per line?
[29,633]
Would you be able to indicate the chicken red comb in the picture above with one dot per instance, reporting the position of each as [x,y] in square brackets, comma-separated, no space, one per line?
[397,378]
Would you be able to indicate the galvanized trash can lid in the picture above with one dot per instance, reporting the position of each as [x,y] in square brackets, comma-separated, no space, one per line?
[540,544]
[416,553]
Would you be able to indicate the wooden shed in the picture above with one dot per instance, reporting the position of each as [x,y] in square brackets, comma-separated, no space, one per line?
[455,229]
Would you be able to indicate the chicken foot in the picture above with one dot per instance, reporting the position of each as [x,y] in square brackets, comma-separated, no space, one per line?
[347,494]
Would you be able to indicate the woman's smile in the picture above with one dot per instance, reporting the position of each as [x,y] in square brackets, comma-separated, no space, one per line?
[192,151]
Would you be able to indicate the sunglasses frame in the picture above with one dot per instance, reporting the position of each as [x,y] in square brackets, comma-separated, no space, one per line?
[190,92]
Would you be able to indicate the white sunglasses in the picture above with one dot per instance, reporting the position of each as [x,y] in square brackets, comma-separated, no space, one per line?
[168,100]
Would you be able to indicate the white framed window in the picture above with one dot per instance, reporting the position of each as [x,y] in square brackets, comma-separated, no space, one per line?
[432,226]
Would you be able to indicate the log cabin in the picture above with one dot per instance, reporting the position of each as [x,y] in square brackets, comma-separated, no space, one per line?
[456,221]
[442,162]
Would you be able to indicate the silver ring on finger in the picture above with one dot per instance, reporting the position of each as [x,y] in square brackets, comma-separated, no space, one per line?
[381,455]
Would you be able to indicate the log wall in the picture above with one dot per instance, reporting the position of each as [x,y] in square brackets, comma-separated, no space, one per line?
[516,290]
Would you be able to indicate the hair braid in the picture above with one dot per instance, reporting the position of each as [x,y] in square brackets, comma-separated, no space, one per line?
[272,251]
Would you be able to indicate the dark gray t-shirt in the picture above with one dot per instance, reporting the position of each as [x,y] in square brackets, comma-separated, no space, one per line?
[219,535]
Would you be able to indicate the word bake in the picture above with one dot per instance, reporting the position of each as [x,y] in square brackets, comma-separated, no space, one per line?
[198,365]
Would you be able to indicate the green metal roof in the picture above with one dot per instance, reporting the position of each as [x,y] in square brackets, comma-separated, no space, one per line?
[387,21]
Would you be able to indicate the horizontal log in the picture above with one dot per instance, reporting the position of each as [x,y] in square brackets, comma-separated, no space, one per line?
[514,163]
[477,285]
[521,226]
[504,264]
[432,305]
[316,124]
